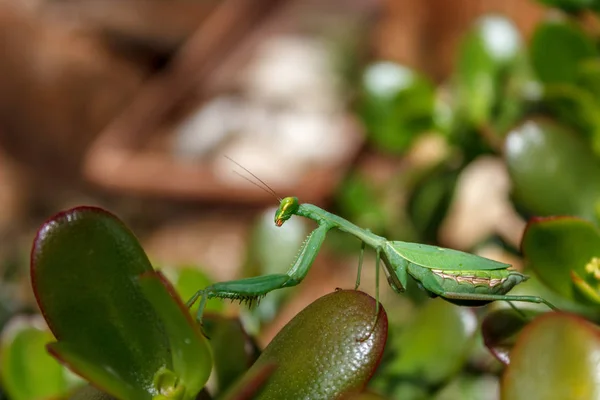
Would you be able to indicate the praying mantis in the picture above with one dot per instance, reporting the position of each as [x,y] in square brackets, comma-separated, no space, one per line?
[458,277]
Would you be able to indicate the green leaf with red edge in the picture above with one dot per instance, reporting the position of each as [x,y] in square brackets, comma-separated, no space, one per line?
[555,357]
[557,247]
[328,349]
[85,265]
[551,170]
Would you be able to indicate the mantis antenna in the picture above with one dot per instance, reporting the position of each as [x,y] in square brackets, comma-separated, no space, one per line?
[264,186]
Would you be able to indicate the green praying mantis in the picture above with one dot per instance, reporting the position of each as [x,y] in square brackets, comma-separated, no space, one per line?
[458,277]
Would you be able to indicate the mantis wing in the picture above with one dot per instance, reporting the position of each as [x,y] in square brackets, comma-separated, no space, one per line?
[435,257]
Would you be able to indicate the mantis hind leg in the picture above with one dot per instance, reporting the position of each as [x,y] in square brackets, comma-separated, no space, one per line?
[496,297]
[483,297]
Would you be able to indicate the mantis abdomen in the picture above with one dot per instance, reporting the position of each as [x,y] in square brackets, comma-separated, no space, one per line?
[439,282]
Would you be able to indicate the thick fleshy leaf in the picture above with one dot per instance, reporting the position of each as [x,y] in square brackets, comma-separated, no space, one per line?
[428,350]
[558,47]
[328,349]
[28,372]
[85,265]
[192,358]
[551,169]
[500,329]
[556,247]
[397,105]
[555,357]
[234,351]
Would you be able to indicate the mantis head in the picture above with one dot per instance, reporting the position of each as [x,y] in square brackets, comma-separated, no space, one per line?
[287,207]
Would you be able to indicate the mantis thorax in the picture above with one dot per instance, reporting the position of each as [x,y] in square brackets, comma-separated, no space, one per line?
[288,206]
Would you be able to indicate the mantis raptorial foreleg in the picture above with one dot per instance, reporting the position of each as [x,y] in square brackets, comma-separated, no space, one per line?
[251,289]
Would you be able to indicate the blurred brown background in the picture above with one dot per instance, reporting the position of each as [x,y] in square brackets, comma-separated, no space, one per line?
[70,67]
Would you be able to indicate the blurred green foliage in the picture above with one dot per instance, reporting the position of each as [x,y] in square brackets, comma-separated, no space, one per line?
[27,370]
[397,105]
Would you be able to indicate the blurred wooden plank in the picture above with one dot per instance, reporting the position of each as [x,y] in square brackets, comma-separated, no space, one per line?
[120,161]
[156,25]
[227,25]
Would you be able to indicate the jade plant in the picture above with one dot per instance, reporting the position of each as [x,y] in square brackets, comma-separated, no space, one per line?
[529,105]
[117,322]
[122,327]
